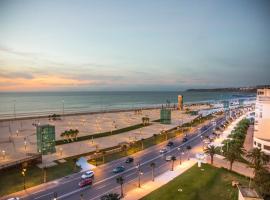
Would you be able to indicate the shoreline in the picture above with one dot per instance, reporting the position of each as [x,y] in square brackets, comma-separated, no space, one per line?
[40,116]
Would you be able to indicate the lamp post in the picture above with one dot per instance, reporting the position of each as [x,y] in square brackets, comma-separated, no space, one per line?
[14,109]
[24,174]
[61,151]
[139,174]
[25,145]
[17,132]
[180,155]
[4,154]
[63,108]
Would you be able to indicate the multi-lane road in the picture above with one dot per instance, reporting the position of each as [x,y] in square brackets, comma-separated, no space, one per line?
[105,179]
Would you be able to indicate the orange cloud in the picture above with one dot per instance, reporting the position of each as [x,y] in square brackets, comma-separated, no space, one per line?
[40,83]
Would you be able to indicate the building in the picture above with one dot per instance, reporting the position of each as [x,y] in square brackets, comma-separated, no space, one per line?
[165,116]
[246,193]
[45,139]
[262,121]
[180,102]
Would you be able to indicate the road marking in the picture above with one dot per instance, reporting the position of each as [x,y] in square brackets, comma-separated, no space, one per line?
[130,174]
[102,186]
[43,195]
[148,161]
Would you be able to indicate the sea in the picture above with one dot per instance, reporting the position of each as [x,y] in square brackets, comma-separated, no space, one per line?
[21,104]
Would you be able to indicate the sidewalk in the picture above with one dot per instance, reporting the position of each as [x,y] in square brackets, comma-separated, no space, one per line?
[237,167]
[161,180]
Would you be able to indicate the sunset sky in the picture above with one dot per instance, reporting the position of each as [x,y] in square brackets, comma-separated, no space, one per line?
[133,45]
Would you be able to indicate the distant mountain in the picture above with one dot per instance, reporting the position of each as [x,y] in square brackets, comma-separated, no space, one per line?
[237,89]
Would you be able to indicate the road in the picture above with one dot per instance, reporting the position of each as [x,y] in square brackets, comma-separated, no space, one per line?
[105,179]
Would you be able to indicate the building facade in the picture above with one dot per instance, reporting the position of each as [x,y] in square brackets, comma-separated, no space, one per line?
[45,139]
[165,116]
[262,121]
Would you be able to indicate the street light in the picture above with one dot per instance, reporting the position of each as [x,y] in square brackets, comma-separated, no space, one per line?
[63,107]
[61,151]
[139,174]
[4,154]
[180,155]
[24,174]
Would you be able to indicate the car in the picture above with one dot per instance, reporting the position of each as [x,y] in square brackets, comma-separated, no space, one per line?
[85,182]
[14,198]
[185,139]
[168,158]
[119,169]
[129,160]
[88,174]
[164,150]
[170,144]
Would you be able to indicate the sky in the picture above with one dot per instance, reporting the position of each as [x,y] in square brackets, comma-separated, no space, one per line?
[130,45]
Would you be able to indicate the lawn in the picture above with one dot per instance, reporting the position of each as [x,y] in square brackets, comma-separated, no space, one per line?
[12,181]
[211,183]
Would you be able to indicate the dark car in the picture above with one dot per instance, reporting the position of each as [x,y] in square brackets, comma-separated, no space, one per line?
[185,139]
[129,160]
[170,144]
[85,182]
[119,169]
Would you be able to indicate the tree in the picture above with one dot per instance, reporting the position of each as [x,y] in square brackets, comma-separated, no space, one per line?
[125,148]
[142,143]
[262,182]
[233,152]
[111,196]
[153,165]
[258,159]
[103,156]
[173,159]
[120,181]
[211,151]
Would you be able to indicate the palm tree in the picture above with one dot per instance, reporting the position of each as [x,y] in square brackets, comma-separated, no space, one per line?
[125,148]
[103,156]
[234,152]
[258,159]
[211,151]
[111,196]
[120,181]
[173,159]
[153,165]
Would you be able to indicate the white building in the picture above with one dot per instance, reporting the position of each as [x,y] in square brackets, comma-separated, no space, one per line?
[262,120]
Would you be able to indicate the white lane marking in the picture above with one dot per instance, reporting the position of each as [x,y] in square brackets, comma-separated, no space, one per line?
[102,186]
[130,174]
[43,195]
[148,161]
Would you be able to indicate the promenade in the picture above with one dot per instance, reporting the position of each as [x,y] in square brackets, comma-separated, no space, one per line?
[18,138]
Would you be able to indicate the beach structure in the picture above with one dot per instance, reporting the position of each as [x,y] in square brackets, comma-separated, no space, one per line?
[165,116]
[262,121]
[45,139]
[180,102]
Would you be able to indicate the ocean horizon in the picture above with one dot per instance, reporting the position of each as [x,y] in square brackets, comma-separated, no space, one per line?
[21,104]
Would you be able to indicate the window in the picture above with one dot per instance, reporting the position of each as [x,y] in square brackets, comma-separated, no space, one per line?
[255,143]
[259,145]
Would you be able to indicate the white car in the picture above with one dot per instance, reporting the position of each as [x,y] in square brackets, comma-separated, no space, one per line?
[164,150]
[88,174]
[168,158]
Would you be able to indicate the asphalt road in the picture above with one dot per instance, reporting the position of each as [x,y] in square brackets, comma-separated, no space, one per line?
[105,179]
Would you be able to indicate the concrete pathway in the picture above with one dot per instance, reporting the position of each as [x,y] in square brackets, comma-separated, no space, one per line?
[248,144]
[138,193]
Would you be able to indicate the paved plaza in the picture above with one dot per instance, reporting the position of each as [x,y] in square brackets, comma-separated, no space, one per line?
[18,137]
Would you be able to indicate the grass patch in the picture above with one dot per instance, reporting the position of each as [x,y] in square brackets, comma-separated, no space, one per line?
[212,183]
[104,134]
[12,181]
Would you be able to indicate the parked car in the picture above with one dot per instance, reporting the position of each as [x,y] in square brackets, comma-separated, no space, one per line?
[164,150]
[170,144]
[168,158]
[85,182]
[185,139]
[119,169]
[129,160]
[88,174]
